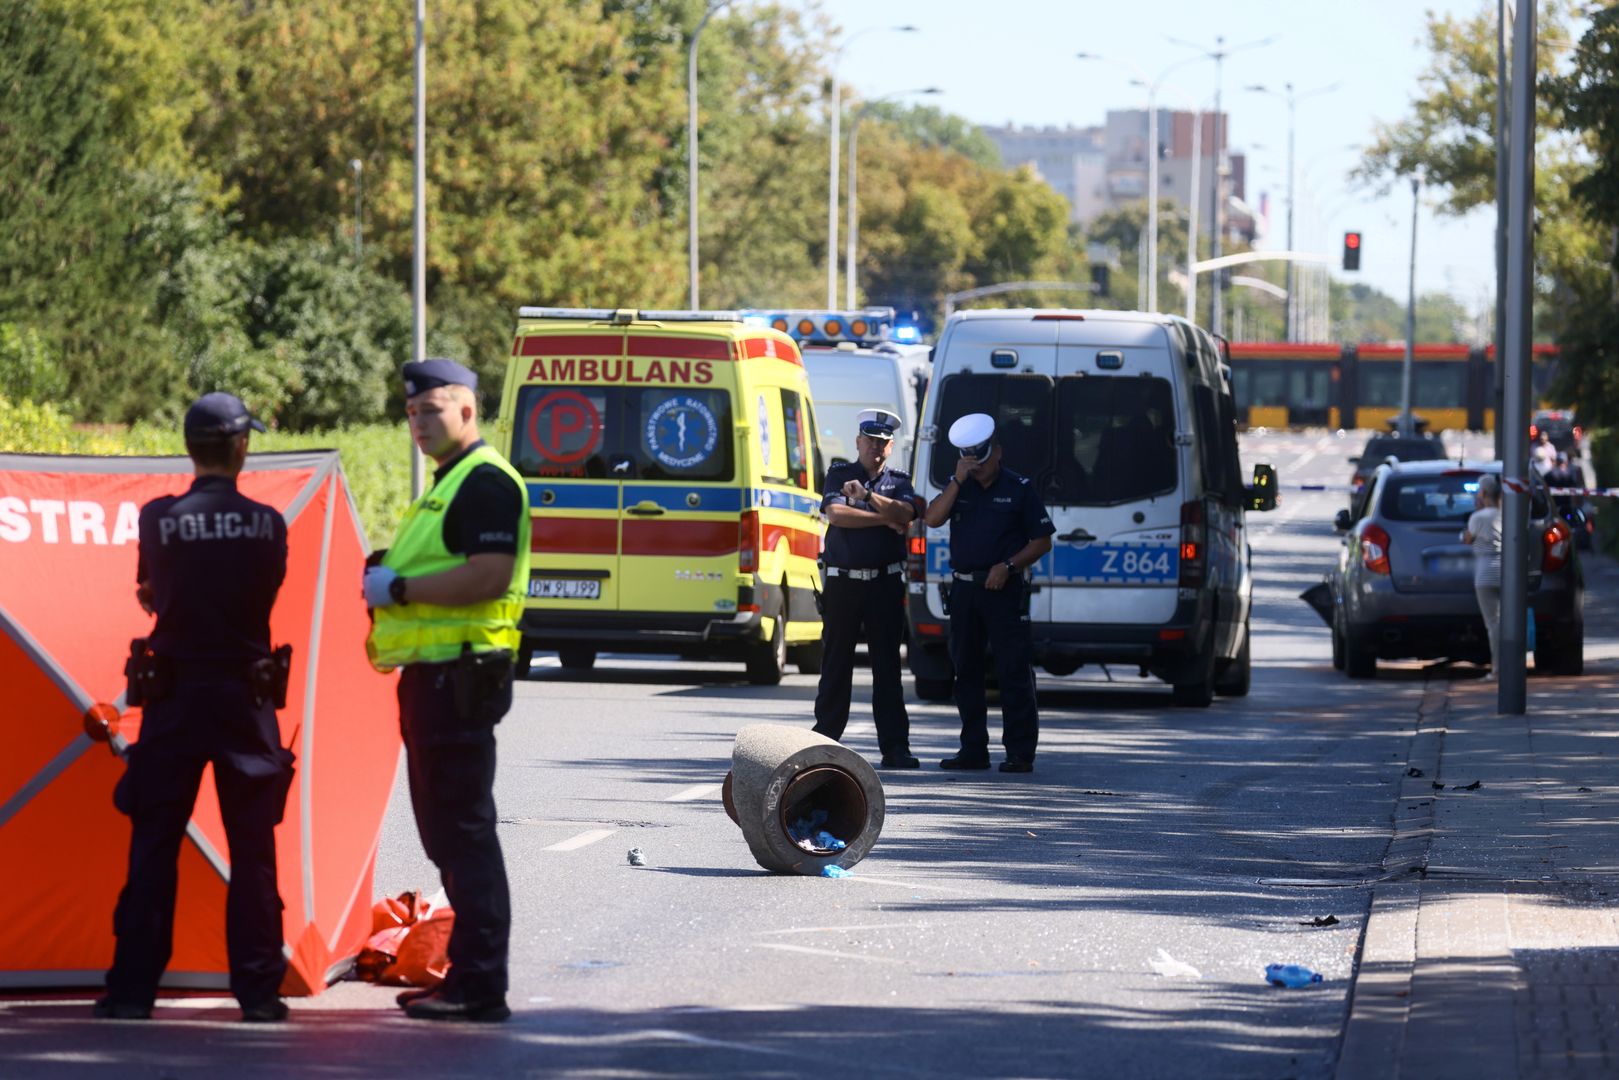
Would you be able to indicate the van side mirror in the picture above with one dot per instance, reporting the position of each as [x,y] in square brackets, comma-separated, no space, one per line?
[1343,522]
[1355,460]
[1262,495]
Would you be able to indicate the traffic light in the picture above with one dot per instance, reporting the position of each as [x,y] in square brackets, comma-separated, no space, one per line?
[1099,279]
[1351,251]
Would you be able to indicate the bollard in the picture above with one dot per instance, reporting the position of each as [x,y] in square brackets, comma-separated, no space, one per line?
[780,774]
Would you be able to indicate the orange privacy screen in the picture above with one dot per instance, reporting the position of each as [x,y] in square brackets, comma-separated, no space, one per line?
[68,542]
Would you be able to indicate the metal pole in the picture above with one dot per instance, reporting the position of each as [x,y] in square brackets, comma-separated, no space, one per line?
[1152,198]
[359,246]
[1502,83]
[1512,691]
[854,223]
[691,156]
[1290,307]
[419,290]
[1216,316]
[832,189]
[1406,427]
[1191,221]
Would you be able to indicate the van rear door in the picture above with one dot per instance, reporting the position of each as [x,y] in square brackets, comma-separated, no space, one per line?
[1115,489]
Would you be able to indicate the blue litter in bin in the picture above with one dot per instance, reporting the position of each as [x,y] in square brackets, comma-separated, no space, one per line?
[808,834]
[1290,975]
[834,870]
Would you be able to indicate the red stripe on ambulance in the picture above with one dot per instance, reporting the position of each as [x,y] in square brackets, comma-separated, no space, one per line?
[573,345]
[687,538]
[574,536]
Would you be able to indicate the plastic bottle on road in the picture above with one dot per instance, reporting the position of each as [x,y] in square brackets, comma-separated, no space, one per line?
[1291,975]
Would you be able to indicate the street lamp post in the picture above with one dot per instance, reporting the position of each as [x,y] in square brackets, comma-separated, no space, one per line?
[691,151]
[1406,427]
[1289,310]
[836,123]
[356,166]
[419,256]
[849,275]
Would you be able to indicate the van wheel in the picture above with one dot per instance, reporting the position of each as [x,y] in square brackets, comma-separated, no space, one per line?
[767,661]
[934,689]
[525,657]
[807,657]
[577,658]
[1198,693]
[1238,674]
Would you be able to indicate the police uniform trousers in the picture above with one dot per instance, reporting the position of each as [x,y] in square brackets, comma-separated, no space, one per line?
[450,763]
[203,721]
[979,616]
[878,605]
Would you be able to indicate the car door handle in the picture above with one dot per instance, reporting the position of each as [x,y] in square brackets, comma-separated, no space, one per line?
[645,508]
[1078,536]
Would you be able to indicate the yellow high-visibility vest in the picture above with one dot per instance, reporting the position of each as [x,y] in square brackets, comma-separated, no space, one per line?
[415,632]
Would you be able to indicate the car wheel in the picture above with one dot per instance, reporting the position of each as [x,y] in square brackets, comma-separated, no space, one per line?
[767,661]
[808,658]
[1337,646]
[577,658]
[1238,674]
[1359,661]
[934,689]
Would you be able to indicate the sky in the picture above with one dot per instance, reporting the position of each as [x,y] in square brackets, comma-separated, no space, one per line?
[1014,61]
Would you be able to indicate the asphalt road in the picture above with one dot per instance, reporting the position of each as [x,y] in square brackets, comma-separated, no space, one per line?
[1112,913]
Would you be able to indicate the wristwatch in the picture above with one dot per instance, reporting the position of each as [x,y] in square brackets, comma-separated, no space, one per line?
[396,590]
[1011,567]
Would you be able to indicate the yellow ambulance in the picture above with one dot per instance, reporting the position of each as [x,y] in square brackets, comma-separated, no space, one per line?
[674,475]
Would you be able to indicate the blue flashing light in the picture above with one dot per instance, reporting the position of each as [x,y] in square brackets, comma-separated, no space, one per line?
[755,320]
[907,334]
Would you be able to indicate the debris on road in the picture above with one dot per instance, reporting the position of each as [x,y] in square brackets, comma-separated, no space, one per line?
[1321,920]
[1474,786]
[1171,968]
[1413,771]
[1290,975]
[1586,789]
[834,870]
[1437,786]
[637,857]
[802,800]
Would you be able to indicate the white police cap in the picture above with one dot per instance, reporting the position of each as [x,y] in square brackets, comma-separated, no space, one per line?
[972,434]
[878,423]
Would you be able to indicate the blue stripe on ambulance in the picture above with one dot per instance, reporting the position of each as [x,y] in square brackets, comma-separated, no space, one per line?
[767,498]
[573,496]
[717,498]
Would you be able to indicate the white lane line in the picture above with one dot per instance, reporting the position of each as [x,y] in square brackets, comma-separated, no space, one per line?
[842,929]
[1304,459]
[584,839]
[693,793]
[833,953]
[1171,968]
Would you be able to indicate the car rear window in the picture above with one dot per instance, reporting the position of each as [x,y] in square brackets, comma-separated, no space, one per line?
[1443,497]
[1115,440]
[623,433]
[1405,449]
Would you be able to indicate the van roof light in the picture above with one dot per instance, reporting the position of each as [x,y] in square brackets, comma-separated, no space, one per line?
[565,313]
[692,316]
[864,326]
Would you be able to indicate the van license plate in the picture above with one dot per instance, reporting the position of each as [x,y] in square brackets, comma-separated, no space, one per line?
[1107,564]
[564,589]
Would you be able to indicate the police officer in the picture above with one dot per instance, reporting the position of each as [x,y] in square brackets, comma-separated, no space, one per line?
[445,600]
[211,562]
[998,529]
[868,506]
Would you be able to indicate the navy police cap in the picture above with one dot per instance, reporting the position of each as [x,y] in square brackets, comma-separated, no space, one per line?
[218,416]
[424,375]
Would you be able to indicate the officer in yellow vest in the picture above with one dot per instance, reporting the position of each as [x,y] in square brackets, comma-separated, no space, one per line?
[445,601]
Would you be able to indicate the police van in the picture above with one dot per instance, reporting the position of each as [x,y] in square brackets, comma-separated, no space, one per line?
[1126,423]
[673,472]
[857,360]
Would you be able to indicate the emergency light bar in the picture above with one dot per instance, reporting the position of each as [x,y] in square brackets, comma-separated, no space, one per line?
[627,315]
[865,326]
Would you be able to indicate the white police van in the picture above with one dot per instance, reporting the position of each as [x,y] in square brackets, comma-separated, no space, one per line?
[1126,423]
[858,360]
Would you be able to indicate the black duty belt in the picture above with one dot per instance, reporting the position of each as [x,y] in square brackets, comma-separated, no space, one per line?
[865,575]
[214,669]
[980,576]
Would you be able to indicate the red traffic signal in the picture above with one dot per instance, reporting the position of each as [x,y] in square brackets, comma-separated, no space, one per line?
[1351,251]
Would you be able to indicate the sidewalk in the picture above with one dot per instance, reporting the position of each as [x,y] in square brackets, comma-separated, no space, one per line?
[1495,953]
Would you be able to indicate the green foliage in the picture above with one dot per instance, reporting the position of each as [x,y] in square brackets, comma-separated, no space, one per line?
[29,369]
[1362,314]
[931,128]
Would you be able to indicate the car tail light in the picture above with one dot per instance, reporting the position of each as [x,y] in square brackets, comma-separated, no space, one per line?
[1374,549]
[1579,433]
[916,553]
[1534,432]
[1554,544]
[747,543]
[1194,545]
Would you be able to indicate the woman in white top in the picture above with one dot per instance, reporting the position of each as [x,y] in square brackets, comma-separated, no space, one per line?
[1484,533]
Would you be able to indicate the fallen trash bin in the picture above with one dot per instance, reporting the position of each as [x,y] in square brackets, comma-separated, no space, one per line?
[783,778]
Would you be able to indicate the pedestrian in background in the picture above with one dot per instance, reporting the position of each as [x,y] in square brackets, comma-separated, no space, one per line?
[868,507]
[1483,531]
[211,563]
[998,529]
[445,600]
[1543,455]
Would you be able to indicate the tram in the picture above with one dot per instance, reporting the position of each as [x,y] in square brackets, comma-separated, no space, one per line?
[1282,385]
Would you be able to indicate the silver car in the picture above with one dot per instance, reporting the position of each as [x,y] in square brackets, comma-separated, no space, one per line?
[1404,583]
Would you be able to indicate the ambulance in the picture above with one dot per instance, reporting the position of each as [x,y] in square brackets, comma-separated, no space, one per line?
[673,474]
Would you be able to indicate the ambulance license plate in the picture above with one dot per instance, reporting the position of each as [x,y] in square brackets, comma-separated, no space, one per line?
[564,589]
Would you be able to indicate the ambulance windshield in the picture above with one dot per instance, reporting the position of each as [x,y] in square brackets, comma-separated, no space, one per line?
[623,433]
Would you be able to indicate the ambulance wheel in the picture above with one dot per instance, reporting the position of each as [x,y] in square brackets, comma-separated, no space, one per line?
[767,661]
[934,689]
[525,657]
[808,658]
[577,658]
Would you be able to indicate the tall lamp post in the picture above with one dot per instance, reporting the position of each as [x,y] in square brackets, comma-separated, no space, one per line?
[832,167]
[1218,55]
[356,166]
[1289,316]
[419,255]
[850,283]
[691,151]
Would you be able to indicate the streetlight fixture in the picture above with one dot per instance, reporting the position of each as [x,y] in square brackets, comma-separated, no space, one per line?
[691,150]
[1218,55]
[832,169]
[1292,98]
[356,166]
[849,277]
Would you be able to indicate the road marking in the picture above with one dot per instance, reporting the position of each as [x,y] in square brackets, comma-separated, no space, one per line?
[1171,968]
[840,929]
[693,793]
[833,953]
[584,839]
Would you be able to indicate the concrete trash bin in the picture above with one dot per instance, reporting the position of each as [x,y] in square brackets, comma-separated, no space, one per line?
[781,775]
